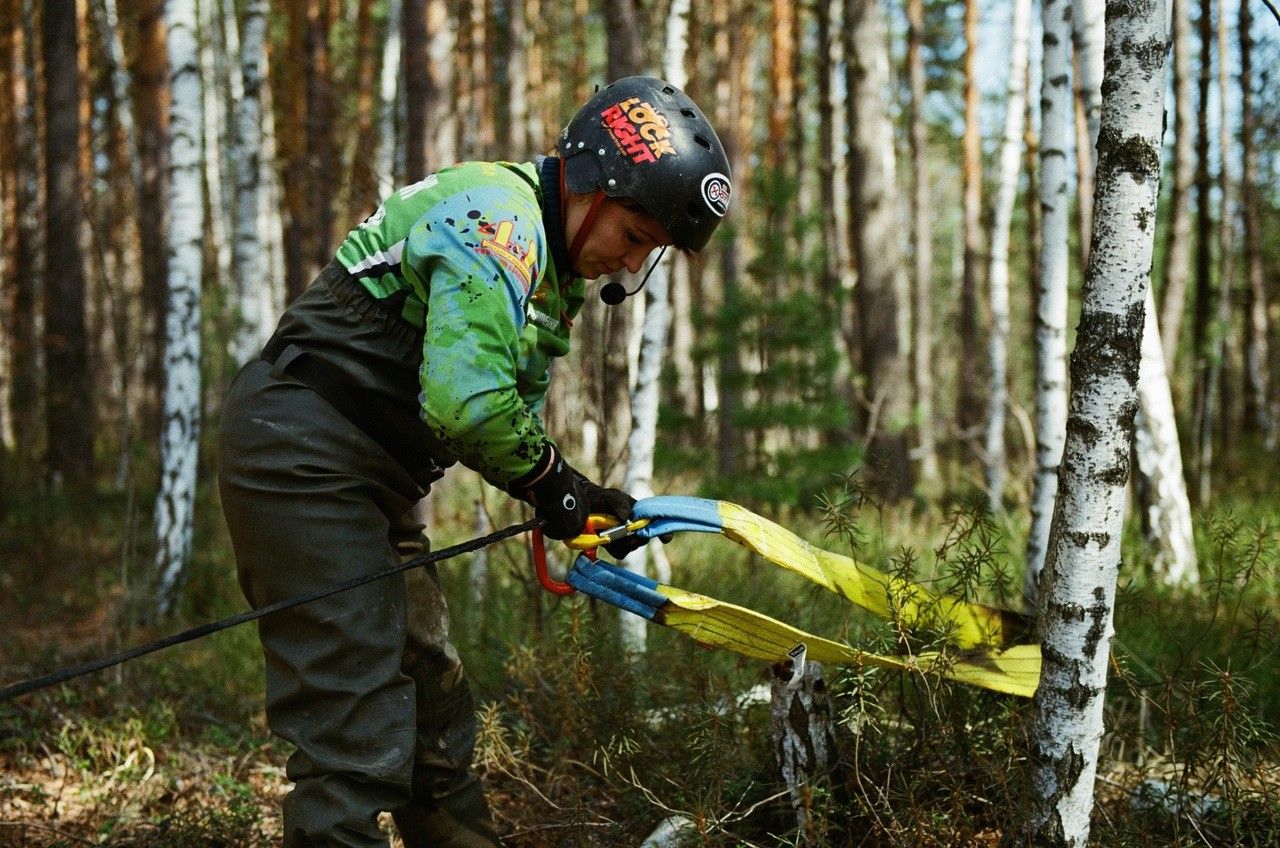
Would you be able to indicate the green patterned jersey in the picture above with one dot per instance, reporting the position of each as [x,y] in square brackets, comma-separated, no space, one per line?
[467,256]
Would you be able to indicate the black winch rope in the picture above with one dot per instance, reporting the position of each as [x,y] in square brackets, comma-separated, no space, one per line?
[56,677]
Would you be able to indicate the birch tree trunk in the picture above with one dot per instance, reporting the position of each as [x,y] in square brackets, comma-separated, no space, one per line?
[873,192]
[1080,576]
[1051,297]
[214,132]
[998,279]
[258,308]
[125,282]
[180,433]
[388,85]
[1160,462]
[922,249]
[638,480]
[1257,353]
[1156,442]
[1178,249]
[69,416]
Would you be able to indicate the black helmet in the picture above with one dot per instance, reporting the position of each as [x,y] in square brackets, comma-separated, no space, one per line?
[644,139]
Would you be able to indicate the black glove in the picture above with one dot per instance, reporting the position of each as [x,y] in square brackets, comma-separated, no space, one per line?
[563,498]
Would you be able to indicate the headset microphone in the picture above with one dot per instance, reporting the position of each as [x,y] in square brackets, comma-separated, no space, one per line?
[614,293]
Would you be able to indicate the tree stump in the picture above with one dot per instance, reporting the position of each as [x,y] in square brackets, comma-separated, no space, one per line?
[803,733]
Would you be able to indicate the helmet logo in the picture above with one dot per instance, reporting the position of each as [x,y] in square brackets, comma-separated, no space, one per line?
[640,131]
[715,193]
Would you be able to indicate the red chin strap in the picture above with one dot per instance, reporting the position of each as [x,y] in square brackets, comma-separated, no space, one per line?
[584,229]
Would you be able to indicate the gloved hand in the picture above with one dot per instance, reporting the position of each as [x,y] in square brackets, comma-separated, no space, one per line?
[563,498]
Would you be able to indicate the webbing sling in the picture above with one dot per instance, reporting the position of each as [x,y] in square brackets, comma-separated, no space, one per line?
[982,635]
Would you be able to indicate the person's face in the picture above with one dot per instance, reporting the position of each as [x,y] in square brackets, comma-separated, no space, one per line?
[622,236]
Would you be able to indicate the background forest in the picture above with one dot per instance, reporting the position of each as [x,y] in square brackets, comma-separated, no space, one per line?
[872,351]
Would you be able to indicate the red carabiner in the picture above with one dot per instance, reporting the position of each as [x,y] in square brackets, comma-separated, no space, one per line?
[549,583]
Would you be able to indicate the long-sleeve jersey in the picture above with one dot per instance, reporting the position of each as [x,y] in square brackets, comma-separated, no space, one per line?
[475,256]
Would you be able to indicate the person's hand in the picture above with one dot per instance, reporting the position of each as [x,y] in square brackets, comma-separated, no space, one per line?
[561,497]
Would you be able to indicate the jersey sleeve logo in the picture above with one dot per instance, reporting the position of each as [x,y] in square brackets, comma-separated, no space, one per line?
[521,261]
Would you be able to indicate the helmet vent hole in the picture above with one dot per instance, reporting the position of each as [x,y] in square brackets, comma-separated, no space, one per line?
[688,113]
[666,89]
[702,141]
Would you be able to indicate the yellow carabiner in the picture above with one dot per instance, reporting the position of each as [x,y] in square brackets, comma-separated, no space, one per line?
[602,530]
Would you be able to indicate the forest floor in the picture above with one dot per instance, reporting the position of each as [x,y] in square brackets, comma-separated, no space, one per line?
[580,747]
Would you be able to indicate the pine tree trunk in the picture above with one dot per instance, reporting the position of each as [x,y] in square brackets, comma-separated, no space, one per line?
[419,88]
[998,279]
[1205,306]
[1262,412]
[519,145]
[969,396]
[873,192]
[180,435]
[1051,295]
[321,161]
[258,307]
[922,248]
[730,60]
[1225,365]
[10,33]
[1177,264]
[151,104]
[362,182]
[1080,574]
[69,416]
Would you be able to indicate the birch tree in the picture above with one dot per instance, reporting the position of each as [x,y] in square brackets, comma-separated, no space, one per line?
[1078,592]
[638,480]
[1178,247]
[922,248]
[998,279]
[1160,463]
[1168,510]
[1051,296]
[181,424]
[388,84]
[258,309]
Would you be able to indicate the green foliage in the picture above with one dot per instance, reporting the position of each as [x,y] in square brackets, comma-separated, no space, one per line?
[794,416]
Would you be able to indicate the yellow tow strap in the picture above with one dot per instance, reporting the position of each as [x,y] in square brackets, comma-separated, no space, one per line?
[981,634]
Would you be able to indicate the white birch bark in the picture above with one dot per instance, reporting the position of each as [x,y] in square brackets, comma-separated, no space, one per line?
[478,576]
[1156,439]
[180,432]
[272,201]
[1051,301]
[388,88]
[442,27]
[258,312]
[1078,589]
[998,278]
[1088,35]
[214,136]
[1160,461]
[638,478]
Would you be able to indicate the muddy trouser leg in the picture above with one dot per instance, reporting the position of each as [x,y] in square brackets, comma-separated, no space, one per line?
[310,501]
